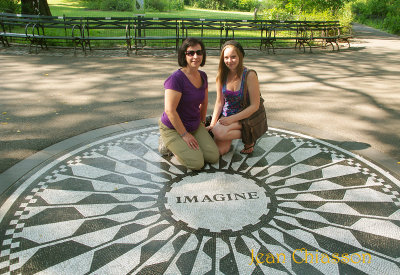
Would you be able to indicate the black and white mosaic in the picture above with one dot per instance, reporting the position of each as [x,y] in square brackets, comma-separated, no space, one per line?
[297,205]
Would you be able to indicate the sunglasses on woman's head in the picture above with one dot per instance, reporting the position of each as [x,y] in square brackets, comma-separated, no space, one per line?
[191,53]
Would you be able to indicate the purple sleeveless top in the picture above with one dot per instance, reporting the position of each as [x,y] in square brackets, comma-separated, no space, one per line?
[233,99]
[188,106]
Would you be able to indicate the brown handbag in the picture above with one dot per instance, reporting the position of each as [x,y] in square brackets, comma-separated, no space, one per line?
[256,125]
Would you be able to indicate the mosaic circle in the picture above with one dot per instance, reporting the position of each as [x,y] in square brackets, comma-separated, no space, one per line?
[297,205]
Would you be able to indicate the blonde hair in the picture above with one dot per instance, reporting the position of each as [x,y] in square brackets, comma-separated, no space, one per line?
[223,69]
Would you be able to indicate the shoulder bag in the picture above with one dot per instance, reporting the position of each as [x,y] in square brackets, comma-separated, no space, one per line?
[256,125]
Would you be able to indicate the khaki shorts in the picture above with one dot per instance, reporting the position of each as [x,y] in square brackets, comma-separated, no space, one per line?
[192,159]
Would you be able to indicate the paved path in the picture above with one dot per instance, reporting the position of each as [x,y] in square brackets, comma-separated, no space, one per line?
[323,181]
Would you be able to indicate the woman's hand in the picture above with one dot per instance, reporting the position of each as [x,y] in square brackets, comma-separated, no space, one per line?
[210,127]
[191,141]
[226,120]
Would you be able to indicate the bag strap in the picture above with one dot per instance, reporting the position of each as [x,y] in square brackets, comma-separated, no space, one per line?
[245,90]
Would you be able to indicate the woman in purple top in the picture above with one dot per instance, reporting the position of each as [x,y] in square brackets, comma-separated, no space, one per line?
[225,123]
[186,97]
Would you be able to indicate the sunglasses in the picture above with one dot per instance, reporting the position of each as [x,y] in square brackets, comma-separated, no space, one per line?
[191,53]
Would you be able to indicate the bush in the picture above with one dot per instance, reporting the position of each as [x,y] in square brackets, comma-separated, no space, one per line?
[156,5]
[277,14]
[248,5]
[10,6]
[164,5]
[124,5]
[378,13]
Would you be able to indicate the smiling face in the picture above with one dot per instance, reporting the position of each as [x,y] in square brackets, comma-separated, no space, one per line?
[231,58]
[194,61]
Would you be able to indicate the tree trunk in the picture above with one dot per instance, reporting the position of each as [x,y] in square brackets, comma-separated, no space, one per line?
[37,7]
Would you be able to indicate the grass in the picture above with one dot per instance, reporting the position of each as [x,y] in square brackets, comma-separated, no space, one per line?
[75,8]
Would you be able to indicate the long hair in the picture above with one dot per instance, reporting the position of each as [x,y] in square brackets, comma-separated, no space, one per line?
[190,42]
[223,69]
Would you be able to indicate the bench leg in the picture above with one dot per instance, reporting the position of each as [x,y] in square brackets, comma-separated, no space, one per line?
[128,47]
[273,48]
[5,44]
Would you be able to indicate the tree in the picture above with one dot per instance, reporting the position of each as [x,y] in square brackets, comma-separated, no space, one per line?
[39,7]
[310,5]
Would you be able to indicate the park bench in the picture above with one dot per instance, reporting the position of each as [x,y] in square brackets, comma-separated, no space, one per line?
[324,32]
[152,31]
[345,34]
[59,30]
[210,31]
[39,29]
[109,29]
[14,27]
[253,31]
[288,32]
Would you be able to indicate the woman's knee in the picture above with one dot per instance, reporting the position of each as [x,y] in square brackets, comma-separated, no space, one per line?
[224,149]
[219,132]
[193,160]
[212,156]
[195,164]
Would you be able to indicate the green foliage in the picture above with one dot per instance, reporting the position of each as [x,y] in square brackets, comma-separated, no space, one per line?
[157,5]
[209,4]
[127,5]
[242,5]
[164,5]
[10,6]
[277,14]
[383,14]
[248,5]
[118,5]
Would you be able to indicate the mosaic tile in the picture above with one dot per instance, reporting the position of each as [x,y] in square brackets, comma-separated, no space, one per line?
[297,205]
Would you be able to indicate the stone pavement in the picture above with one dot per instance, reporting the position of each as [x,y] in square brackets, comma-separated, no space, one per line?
[320,194]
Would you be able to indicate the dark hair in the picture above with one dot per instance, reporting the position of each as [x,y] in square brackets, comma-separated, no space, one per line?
[190,42]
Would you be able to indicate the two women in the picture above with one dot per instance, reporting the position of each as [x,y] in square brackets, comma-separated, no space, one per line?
[186,96]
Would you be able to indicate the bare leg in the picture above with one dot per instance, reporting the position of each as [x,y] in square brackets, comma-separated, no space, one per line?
[224,134]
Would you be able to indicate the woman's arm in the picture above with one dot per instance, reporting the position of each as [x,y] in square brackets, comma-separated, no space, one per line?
[219,104]
[172,99]
[253,88]
[203,106]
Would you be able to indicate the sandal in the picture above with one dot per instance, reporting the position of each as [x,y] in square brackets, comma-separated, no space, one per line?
[248,149]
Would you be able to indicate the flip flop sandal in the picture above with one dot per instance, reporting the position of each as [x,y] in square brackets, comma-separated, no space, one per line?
[246,149]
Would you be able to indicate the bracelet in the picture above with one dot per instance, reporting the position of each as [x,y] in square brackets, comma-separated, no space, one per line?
[182,135]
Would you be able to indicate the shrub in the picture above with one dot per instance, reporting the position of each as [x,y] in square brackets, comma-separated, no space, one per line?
[379,13]
[248,5]
[10,6]
[164,5]
[277,14]
[124,5]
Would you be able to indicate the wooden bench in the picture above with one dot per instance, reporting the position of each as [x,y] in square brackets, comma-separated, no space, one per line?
[324,32]
[88,32]
[108,29]
[39,29]
[248,30]
[208,30]
[288,31]
[345,34]
[58,30]
[155,30]
[14,26]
